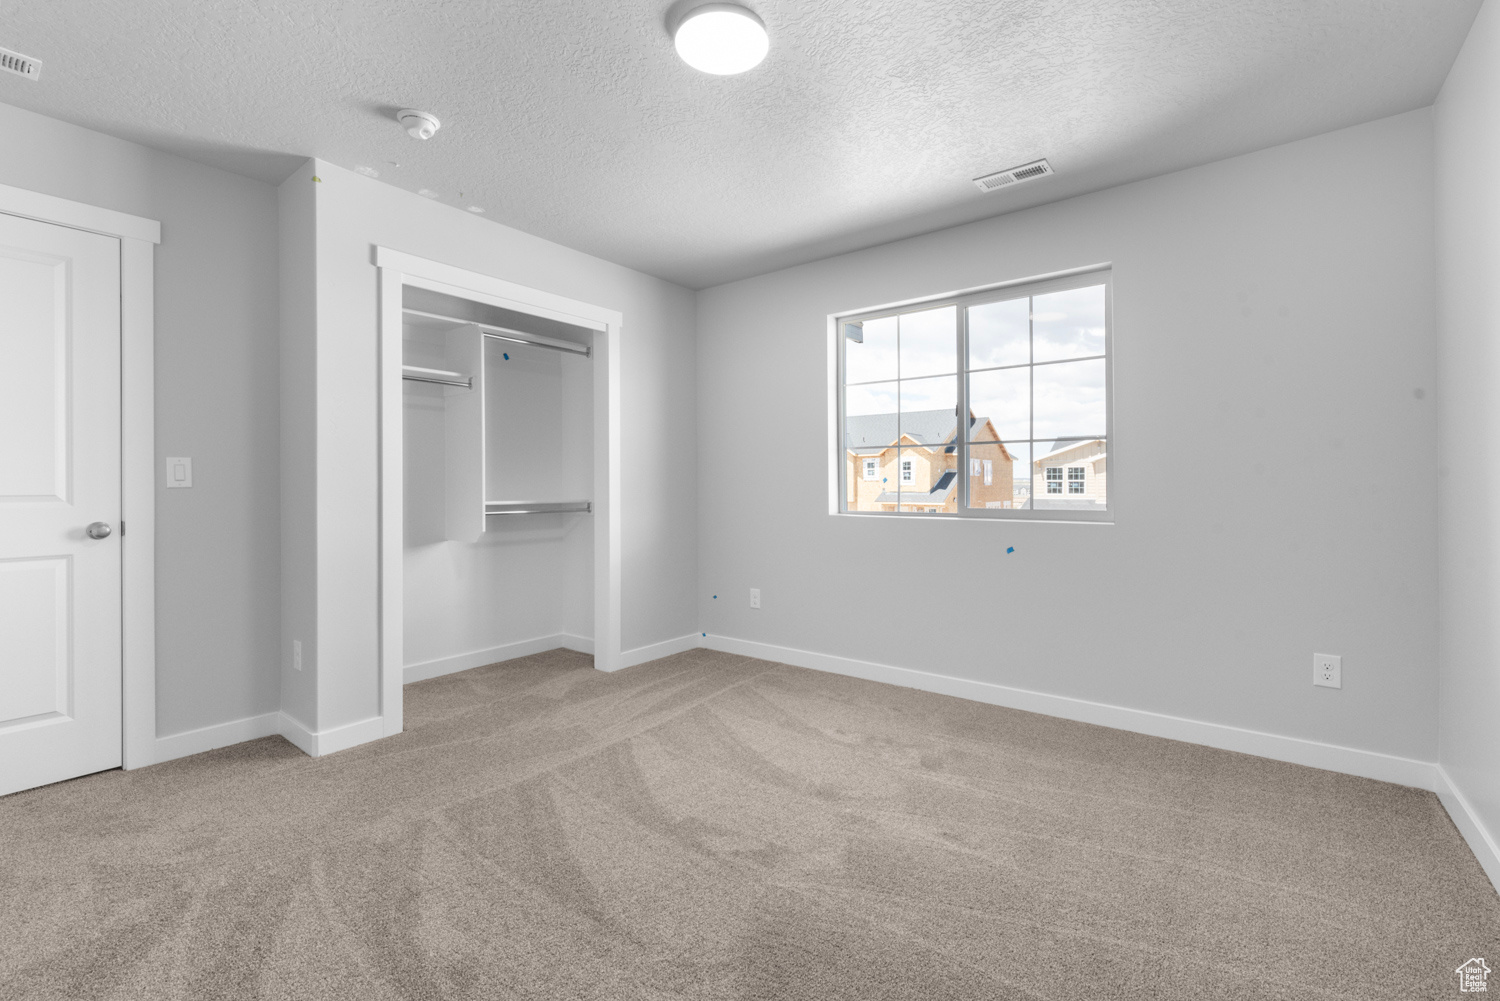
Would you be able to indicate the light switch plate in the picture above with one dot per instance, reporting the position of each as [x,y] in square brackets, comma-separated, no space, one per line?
[179,472]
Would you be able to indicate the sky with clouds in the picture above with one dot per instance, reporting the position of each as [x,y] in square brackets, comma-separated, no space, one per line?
[909,363]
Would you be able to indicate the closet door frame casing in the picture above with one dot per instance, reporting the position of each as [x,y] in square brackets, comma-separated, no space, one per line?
[396,270]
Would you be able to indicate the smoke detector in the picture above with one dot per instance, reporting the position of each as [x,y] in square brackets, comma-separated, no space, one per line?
[418,124]
[1015,175]
[14,62]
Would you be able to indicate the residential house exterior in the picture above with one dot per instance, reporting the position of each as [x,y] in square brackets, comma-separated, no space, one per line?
[1073,474]
[911,461]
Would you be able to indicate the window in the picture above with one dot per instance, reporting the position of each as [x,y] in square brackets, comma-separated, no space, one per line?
[872,469]
[1027,363]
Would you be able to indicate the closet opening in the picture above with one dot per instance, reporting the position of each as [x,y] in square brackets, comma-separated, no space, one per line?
[499,474]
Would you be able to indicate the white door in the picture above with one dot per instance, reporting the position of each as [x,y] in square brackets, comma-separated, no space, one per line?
[59,473]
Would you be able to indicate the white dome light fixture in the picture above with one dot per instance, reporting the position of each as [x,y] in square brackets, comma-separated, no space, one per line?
[722,39]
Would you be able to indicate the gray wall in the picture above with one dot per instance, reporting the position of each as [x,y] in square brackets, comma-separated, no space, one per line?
[1273,467]
[1468,261]
[217,572]
[299,469]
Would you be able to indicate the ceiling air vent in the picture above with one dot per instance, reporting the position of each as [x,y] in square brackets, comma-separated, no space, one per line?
[14,62]
[1015,175]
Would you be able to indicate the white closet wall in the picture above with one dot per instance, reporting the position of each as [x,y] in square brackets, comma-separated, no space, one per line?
[527,582]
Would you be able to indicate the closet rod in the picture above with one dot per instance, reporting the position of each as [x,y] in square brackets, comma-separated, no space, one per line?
[539,507]
[413,373]
[507,334]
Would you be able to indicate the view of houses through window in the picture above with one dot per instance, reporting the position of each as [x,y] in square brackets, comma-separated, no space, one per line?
[1028,365]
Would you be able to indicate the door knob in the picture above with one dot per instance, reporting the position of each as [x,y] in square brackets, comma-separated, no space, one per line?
[99,530]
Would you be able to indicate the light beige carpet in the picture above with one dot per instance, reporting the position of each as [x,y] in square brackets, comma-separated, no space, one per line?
[709,826]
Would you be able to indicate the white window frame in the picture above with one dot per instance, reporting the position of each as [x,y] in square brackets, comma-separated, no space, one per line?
[906,471]
[1000,292]
[1081,479]
[871,468]
[1049,480]
[989,472]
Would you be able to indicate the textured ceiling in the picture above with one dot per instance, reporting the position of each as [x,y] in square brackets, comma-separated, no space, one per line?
[576,121]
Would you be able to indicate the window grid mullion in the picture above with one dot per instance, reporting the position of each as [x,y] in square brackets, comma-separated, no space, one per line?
[1030,401]
[900,452]
[1006,368]
[961,424]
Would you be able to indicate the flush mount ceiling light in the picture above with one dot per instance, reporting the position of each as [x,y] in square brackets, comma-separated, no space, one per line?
[722,39]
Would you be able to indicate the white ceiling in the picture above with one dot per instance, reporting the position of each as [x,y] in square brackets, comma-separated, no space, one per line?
[576,121]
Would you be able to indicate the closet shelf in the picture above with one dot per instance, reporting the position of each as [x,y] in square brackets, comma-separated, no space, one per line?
[507,334]
[538,507]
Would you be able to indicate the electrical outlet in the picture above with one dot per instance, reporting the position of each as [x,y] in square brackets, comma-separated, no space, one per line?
[296,655]
[1326,670]
[755,597]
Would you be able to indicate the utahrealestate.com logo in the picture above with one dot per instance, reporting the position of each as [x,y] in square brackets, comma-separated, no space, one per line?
[1472,975]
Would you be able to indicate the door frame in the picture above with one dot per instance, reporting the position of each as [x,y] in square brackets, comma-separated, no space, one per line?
[138,238]
[397,269]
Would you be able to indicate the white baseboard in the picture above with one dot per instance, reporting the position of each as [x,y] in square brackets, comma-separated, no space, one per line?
[349,735]
[569,641]
[1315,754]
[572,641]
[299,735]
[666,648]
[1480,840]
[338,738]
[493,655]
[208,738]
